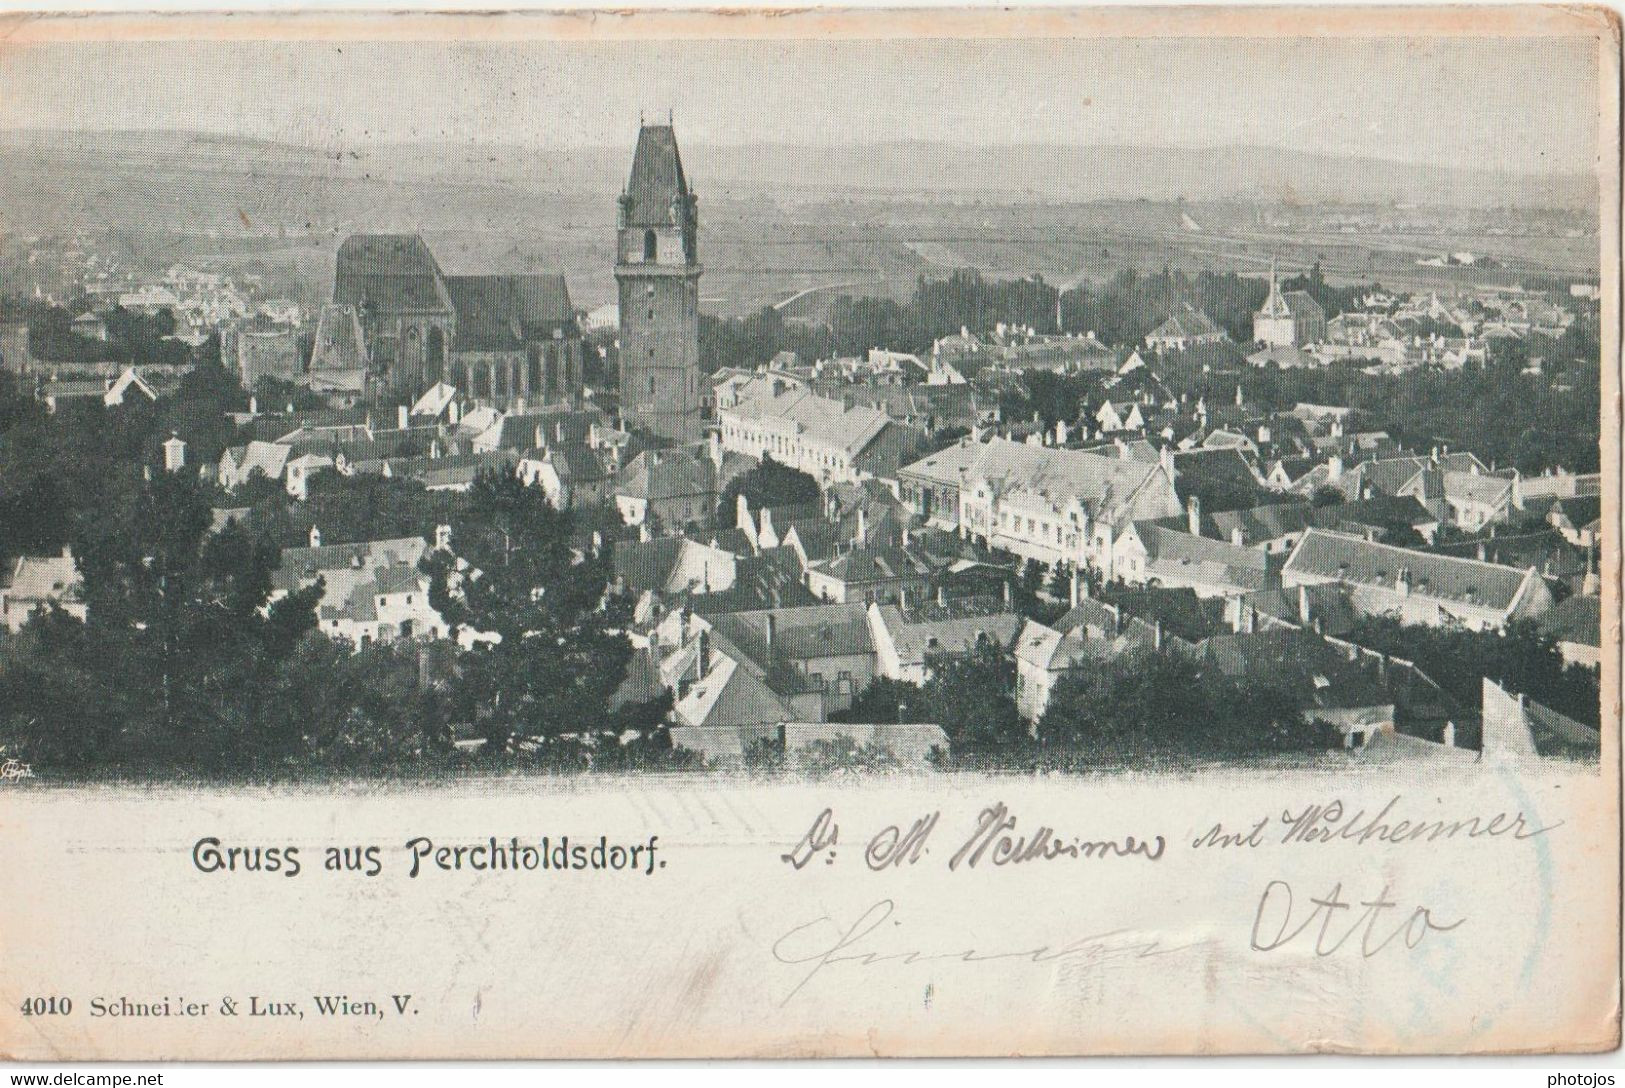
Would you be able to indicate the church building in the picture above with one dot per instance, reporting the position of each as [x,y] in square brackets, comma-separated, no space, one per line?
[1288,319]
[657,268]
[503,340]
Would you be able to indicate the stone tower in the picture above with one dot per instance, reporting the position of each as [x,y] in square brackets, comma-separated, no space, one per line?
[657,267]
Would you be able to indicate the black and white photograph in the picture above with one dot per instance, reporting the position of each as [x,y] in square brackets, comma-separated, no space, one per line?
[1106,520]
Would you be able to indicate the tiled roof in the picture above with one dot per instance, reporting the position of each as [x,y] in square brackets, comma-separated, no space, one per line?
[500,313]
[874,563]
[818,420]
[389,273]
[1302,302]
[44,578]
[1379,511]
[657,177]
[922,631]
[1186,322]
[1261,523]
[1174,554]
[647,564]
[657,475]
[800,634]
[299,564]
[1329,606]
[1095,480]
[1351,560]
[1476,487]
[1180,611]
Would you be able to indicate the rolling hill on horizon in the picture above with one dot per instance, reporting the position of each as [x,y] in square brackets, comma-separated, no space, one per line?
[50,173]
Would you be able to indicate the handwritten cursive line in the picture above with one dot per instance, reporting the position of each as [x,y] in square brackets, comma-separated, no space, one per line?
[843,948]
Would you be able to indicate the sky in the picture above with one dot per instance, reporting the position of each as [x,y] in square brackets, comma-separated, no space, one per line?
[1525,105]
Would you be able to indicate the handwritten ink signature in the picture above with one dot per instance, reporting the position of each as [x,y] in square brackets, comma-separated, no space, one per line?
[824,942]
[1277,900]
[996,839]
[12,769]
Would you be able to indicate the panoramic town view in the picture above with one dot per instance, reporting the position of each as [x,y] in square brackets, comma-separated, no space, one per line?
[402,453]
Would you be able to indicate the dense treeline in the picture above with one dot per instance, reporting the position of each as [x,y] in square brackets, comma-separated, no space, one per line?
[1134,707]
[183,665]
[1521,659]
[132,337]
[60,473]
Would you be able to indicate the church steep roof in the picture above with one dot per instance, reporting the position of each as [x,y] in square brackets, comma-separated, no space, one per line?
[388,272]
[657,178]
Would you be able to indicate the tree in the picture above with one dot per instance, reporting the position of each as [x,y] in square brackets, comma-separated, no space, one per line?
[971,697]
[767,484]
[1147,704]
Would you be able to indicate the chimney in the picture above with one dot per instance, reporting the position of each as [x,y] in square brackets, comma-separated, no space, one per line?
[401,417]
[742,515]
[705,653]
[1060,432]
[1403,582]
[315,537]
[863,528]
[1303,605]
[454,412]
[643,530]
[1156,635]
[1237,538]
[67,551]
[253,405]
[536,437]
[1449,734]
[1334,467]
[1193,515]
[1074,594]
[942,596]
[1007,593]
[768,631]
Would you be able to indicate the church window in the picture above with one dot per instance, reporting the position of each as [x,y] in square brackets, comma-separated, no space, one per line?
[651,380]
[650,245]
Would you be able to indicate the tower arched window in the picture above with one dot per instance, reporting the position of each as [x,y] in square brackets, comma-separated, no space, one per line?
[651,245]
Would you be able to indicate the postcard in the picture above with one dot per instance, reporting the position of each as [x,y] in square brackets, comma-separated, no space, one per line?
[959,532]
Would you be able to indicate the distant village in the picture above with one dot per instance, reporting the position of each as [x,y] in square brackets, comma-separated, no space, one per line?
[821,561]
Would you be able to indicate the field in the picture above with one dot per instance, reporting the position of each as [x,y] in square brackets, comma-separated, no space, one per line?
[282,212]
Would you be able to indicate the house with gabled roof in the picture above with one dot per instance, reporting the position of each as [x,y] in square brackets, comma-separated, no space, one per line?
[909,635]
[1042,503]
[1154,553]
[372,591]
[1468,500]
[868,572]
[1185,327]
[825,651]
[39,583]
[1418,587]
[677,486]
[1288,319]
[831,440]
